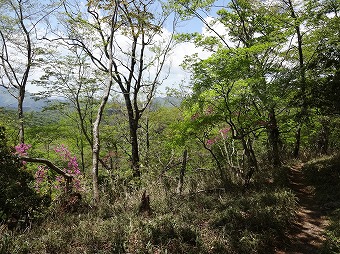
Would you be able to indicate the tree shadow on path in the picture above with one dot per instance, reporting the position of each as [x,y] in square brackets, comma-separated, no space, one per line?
[308,231]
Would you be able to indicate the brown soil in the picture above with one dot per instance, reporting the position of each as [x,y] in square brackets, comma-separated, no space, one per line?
[308,233]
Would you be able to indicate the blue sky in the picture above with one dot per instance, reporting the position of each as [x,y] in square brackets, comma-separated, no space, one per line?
[195,25]
[177,75]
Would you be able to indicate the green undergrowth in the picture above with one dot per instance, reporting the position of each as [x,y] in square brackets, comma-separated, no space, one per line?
[324,175]
[201,221]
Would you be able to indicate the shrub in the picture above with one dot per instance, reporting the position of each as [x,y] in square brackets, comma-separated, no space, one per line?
[18,200]
[254,222]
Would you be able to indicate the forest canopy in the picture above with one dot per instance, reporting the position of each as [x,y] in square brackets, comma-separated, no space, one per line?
[263,92]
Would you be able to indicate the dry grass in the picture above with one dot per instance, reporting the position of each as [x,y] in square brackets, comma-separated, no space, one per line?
[199,221]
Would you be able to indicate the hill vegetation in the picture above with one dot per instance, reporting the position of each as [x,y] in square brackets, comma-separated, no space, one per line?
[246,160]
[206,217]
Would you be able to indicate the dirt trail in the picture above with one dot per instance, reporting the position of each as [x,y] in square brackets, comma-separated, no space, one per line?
[308,234]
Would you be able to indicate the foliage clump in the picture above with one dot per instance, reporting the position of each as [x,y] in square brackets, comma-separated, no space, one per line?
[18,200]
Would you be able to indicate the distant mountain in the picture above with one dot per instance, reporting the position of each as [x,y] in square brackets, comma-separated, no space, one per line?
[30,104]
[166,102]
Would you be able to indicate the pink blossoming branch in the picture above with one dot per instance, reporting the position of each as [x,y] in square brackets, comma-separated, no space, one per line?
[21,150]
[69,175]
[223,136]
[72,166]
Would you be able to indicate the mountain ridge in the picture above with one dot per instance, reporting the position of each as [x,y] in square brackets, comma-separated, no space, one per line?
[32,103]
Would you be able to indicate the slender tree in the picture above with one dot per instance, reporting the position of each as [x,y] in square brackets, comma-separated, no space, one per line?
[124,41]
[302,74]
[71,78]
[19,47]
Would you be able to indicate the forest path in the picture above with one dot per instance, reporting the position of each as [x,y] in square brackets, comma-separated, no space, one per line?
[308,233]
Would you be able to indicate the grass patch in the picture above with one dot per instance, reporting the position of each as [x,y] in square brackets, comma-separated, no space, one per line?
[205,221]
[257,222]
[324,175]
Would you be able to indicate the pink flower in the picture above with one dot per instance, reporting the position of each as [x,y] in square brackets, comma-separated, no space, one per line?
[209,111]
[59,179]
[40,177]
[195,116]
[210,142]
[224,132]
[72,165]
[72,168]
[21,149]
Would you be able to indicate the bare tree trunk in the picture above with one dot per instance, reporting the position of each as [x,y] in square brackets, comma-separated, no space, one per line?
[324,136]
[302,70]
[11,74]
[251,165]
[82,157]
[95,160]
[134,148]
[22,86]
[182,172]
[96,140]
[133,125]
[21,128]
[297,141]
[274,138]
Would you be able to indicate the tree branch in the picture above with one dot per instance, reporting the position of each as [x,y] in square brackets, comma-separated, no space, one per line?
[48,163]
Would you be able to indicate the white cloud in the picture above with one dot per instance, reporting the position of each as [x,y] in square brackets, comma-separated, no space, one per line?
[177,74]
[217,26]
[173,74]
